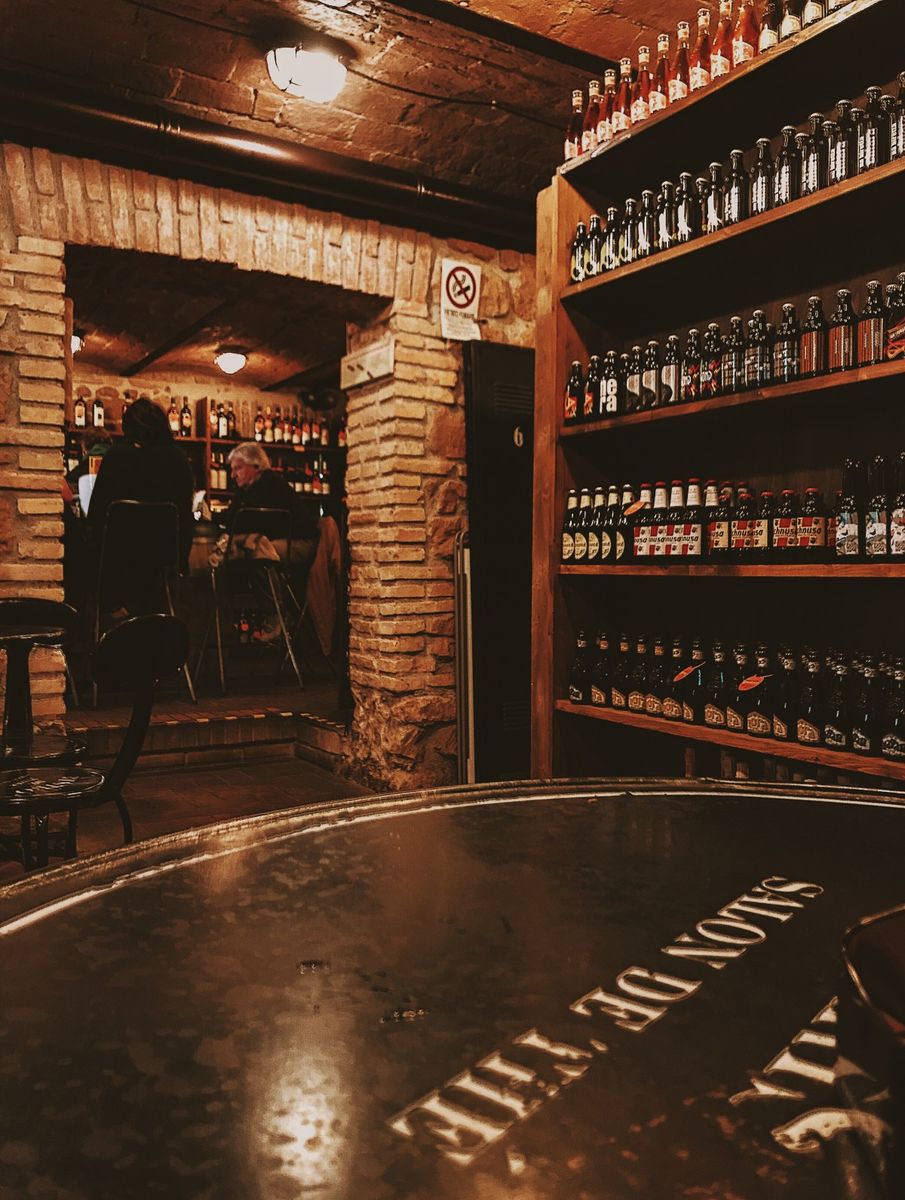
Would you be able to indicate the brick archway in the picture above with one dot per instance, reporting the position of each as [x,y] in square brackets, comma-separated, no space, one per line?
[406,472]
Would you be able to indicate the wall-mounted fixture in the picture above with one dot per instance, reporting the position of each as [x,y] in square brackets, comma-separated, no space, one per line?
[231,359]
[312,74]
[77,341]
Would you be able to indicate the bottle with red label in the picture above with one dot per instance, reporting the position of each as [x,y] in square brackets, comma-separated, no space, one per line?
[721,48]
[812,523]
[762,528]
[699,59]
[591,118]
[785,527]
[658,96]
[641,87]
[657,521]
[843,322]
[894,339]
[639,513]
[675,521]
[718,510]
[746,34]
[592,385]
[814,340]
[607,101]
[711,362]
[872,327]
[691,367]
[740,526]
[679,76]
[622,105]
[575,127]
[574,395]
[692,537]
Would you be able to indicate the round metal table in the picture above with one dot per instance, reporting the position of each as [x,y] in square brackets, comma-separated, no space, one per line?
[601,990]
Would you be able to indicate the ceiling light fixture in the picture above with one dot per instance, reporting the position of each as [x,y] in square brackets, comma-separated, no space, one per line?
[230,359]
[312,74]
[77,341]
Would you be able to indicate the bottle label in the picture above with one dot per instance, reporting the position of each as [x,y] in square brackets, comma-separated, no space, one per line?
[842,347]
[734,718]
[813,353]
[617,697]
[740,533]
[687,712]
[649,380]
[893,746]
[812,11]
[572,149]
[691,380]
[590,399]
[780,729]
[869,150]
[669,383]
[672,709]
[620,545]
[812,533]
[733,204]
[692,539]
[807,732]
[653,705]
[673,540]
[742,52]
[570,408]
[640,110]
[604,132]
[876,530]
[895,340]
[656,101]
[568,547]
[581,547]
[606,547]
[641,541]
[767,40]
[576,694]
[897,533]
[790,24]
[833,736]
[633,391]
[576,266]
[759,725]
[611,403]
[658,533]
[714,715]
[719,64]
[636,701]
[699,78]
[598,696]
[588,141]
[861,740]
[848,544]
[760,195]
[717,536]
[678,90]
[870,340]
[593,547]
[620,122]
[785,533]
[782,184]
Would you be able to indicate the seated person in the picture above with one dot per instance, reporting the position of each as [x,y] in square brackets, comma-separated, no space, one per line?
[146,465]
[259,486]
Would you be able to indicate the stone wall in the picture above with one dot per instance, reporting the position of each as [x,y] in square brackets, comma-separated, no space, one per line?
[406,478]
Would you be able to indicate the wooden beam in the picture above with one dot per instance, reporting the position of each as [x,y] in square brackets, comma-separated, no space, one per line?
[176,339]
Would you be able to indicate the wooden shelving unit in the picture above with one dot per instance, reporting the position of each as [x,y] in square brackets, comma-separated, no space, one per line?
[792,435]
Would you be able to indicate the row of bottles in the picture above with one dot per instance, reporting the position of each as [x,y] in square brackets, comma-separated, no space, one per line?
[759,356]
[736,39]
[219,471]
[824,154]
[843,702]
[733,523]
[305,427]
[221,420]
[310,479]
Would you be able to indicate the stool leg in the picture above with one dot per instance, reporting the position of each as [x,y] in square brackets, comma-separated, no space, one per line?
[287,641]
[185,666]
[125,818]
[41,825]
[71,833]
[218,634]
[25,840]
[17,718]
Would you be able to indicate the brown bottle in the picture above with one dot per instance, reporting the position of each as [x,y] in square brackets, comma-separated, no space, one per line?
[699,59]
[746,34]
[574,128]
[591,118]
[658,96]
[641,87]
[679,75]
[721,49]
[622,108]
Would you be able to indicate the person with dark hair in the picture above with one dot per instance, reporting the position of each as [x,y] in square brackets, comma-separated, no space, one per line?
[146,465]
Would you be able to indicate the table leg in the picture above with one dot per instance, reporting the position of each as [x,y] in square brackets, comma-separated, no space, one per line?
[17,718]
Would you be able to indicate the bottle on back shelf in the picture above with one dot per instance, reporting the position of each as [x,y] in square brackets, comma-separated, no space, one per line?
[621,673]
[656,679]
[637,687]
[658,97]
[711,362]
[574,395]
[769,26]
[622,105]
[633,381]
[658,519]
[624,524]
[580,673]
[691,367]
[595,526]
[894,339]
[628,242]
[735,190]
[591,393]
[611,402]
[892,731]
[759,685]
[675,520]
[640,110]
[716,688]
[259,425]
[740,525]
[873,149]
[679,75]
[812,528]
[568,527]
[607,100]
[647,224]
[746,34]
[591,118]
[601,671]
[688,220]
[732,362]
[738,699]
[671,373]
[785,697]
[897,513]
[721,48]
[640,533]
[876,514]
[671,702]
[787,347]
[575,127]
[699,58]
[842,336]
[762,179]
[692,681]
[593,249]
[173,416]
[666,216]
[809,726]
[581,527]
[785,527]
[185,418]
[872,326]
[612,240]
[650,376]
[577,253]
[865,707]
[762,528]
[814,340]
[849,515]
[80,413]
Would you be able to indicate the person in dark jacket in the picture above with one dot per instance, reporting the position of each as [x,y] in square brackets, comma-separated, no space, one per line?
[146,465]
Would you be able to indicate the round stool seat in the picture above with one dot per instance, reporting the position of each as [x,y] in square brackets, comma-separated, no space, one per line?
[46,789]
[43,749]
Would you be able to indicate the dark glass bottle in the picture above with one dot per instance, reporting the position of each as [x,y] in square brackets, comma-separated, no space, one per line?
[621,118]
[647,225]
[702,194]
[656,679]
[872,327]
[842,340]
[580,673]
[574,127]
[628,245]
[762,528]
[608,526]
[740,526]
[671,703]
[787,347]
[711,362]
[656,522]
[691,367]
[837,721]
[641,87]
[671,372]
[637,688]
[874,147]
[786,185]
[897,122]
[842,156]
[577,254]
[612,239]
[591,118]
[621,672]
[759,719]
[624,363]
[876,513]
[650,376]
[738,700]
[814,340]
[732,365]
[813,162]
[735,190]
[892,731]
[691,539]
[693,686]
[718,522]
[601,672]
[865,731]
[761,199]
[574,394]
[812,523]
[633,381]
[785,527]
[750,355]
[714,216]
[856,123]
[680,75]
[640,532]
[595,526]
[688,222]
[666,216]
[591,394]
[897,513]
[624,521]
[581,527]
[785,697]
[611,401]
[593,253]
[849,514]
[809,726]
[895,321]
[716,689]
[763,352]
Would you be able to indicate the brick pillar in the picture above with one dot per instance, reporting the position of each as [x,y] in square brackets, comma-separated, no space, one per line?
[32,394]
[407,502]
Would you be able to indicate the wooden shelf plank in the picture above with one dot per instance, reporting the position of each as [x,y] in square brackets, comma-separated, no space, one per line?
[879,376]
[839,761]
[677,568]
[805,73]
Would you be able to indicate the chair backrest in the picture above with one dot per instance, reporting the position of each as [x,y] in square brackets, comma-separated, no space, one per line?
[274,523]
[148,529]
[35,611]
[133,656]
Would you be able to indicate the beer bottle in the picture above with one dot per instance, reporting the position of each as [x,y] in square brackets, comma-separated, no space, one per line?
[593,248]
[624,523]
[865,734]
[581,527]
[762,528]
[591,394]
[658,98]
[647,225]
[595,526]
[842,333]
[713,530]
[633,381]
[785,697]
[834,138]
[692,538]
[876,516]
[223,423]
[872,327]
[172,415]
[231,423]
[837,721]
[607,100]
[621,672]
[80,413]
[786,182]
[574,128]
[692,686]
[580,674]
[737,698]
[892,736]
[650,376]
[812,524]
[640,110]
[658,515]
[746,34]
[750,356]
[769,27]
[732,363]
[809,726]
[762,179]
[623,368]
[716,689]
[622,105]
[759,717]
[714,214]
[856,121]
[573,397]
[735,190]
[814,340]
[610,399]
[679,75]
[671,705]
[591,118]
[711,362]
[577,253]
[888,104]
[259,425]
[897,514]
[600,672]
[699,59]
[671,373]
[691,367]
[675,520]
[740,525]
[688,221]
[568,527]
[640,547]
[897,131]
[703,189]
[785,527]
[637,687]
[628,244]
[874,132]
[656,680]
[895,322]
[763,351]
[842,158]
[814,159]
[791,19]
[721,49]
[612,240]
[666,216]
[787,348]
[608,526]
[814,10]
[849,519]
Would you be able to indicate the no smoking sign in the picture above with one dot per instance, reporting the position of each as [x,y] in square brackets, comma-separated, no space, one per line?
[460,296]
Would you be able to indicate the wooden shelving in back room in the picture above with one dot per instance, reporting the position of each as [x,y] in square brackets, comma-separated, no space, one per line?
[679,570]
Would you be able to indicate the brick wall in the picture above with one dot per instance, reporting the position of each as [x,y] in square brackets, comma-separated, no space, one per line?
[406,478]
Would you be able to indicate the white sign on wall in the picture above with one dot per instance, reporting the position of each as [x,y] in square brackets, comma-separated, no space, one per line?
[460,295]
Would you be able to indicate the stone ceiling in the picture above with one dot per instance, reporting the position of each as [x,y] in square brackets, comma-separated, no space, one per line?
[205,58]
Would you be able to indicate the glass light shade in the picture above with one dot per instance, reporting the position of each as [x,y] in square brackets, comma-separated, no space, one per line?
[230,360]
[311,74]
[76,342]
